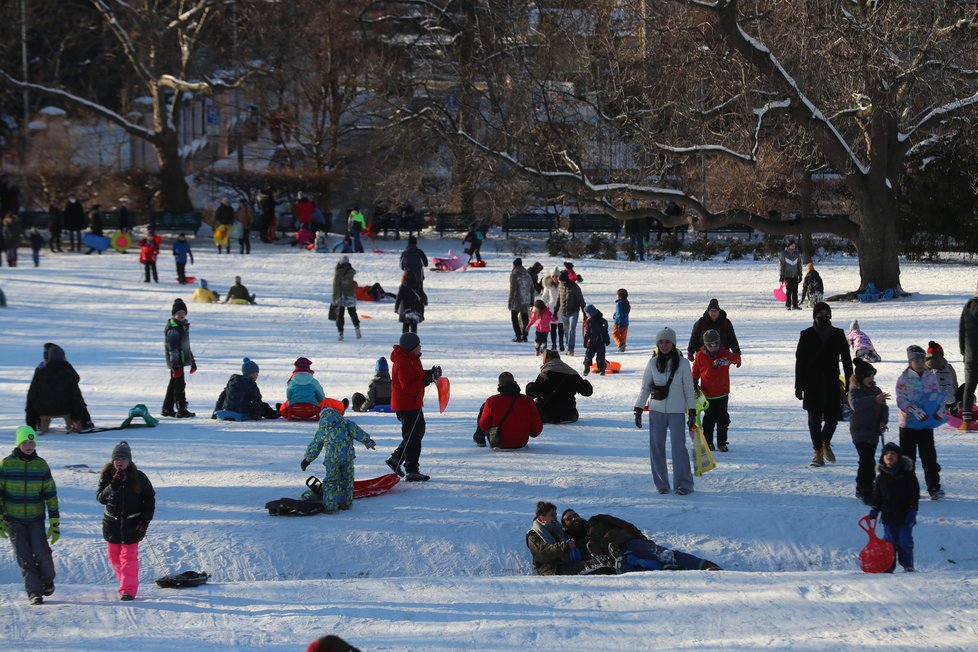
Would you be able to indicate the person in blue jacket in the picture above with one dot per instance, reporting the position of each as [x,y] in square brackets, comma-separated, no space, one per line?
[181,251]
[334,438]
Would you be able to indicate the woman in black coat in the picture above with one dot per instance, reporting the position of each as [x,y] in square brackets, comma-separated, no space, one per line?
[130,501]
[54,392]
[555,389]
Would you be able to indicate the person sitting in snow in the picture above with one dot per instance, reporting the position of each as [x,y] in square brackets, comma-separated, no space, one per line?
[240,400]
[604,534]
[334,438]
[860,346]
[305,397]
[509,418]
[54,392]
[204,294]
[378,391]
[555,388]
[239,294]
[553,552]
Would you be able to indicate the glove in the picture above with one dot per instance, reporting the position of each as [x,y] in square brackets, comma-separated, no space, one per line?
[304,464]
[690,355]
[141,529]
[873,513]
[118,479]
[370,444]
[738,364]
[574,555]
[193,367]
[638,417]
[800,394]
[3,528]
[435,373]
[54,530]
[691,419]
[918,413]
[177,372]
[911,518]
[721,362]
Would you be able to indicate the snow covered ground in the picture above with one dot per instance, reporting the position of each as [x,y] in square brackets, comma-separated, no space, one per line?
[443,565]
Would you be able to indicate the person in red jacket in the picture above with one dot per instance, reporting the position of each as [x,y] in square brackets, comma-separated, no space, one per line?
[408,381]
[149,249]
[711,373]
[513,413]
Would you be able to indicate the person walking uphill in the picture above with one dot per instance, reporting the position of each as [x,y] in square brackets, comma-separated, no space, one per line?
[570,302]
[130,502]
[408,382]
[413,260]
[520,297]
[334,438]
[896,494]
[176,340]
[921,402]
[668,382]
[968,342]
[868,420]
[714,318]
[820,349]
[790,271]
[345,296]
[26,489]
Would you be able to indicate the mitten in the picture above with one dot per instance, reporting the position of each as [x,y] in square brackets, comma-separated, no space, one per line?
[54,530]
[691,419]
[911,517]
[873,513]
[800,394]
[193,367]
[141,529]
[370,444]
[177,372]
[3,528]
[690,355]
[304,464]
[638,417]
[435,373]
[918,413]
[574,555]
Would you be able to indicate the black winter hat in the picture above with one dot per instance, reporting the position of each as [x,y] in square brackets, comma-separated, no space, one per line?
[890,447]
[863,370]
[505,378]
[713,304]
[178,305]
[122,451]
[820,306]
[517,262]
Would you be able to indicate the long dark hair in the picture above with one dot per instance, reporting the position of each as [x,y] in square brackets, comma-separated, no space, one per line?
[132,475]
[661,360]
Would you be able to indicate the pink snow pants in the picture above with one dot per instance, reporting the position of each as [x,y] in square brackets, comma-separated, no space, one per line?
[124,558]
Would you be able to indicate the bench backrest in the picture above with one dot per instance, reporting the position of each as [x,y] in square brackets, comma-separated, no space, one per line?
[590,222]
[166,221]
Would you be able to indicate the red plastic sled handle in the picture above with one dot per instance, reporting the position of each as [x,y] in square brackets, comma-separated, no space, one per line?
[868,525]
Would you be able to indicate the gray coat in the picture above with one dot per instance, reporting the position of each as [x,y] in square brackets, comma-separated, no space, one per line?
[520,289]
[867,415]
[968,334]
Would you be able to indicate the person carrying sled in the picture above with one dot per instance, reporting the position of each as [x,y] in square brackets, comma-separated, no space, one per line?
[408,382]
[946,377]
[553,552]
[26,490]
[238,293]
[378,391]
[55,392]
[790,273]
[223,219]
[811,286]
[860,346]
[181,252]
[130,502]
[555,390]
[896,495]
[596,339]
[867,422]
[711,373]
[334,438]
[920,399]
[176,341]
[509,418]
[605,534]
[240,400]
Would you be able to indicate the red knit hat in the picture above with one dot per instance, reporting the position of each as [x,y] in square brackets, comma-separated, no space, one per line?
[303,365]
[934,350]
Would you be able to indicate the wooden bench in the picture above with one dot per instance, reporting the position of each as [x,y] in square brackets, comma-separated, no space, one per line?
[593,223]
[166,221]
[530,222]
[462,221]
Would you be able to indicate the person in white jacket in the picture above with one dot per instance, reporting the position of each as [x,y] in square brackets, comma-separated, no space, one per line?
[549,296]
[668,382]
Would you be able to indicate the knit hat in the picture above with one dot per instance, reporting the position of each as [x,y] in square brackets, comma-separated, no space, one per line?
[380,365]
[248,367]
[863,370]
[564,276]
[536,268]
[711,336]
[713,304]
[412,240]
[202,282]
[178,305]
[505,378]
[237,280]
[854,326]
[517,262]
[344,260]
[915,352]
[409,341]
[568,264]
[303,365]
[666,334]
[890,447]
[25,433]
[819,307]
[590,309]
[122,451]
[934,350]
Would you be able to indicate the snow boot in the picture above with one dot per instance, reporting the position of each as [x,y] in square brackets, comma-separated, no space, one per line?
[357,329]
[479,438]
[827,452]
[710,566]
[935,494]
[415,476]
[818,459]
[184,413]
[36,600]
[125,597]
[395,466]
[339,336]
[167,412]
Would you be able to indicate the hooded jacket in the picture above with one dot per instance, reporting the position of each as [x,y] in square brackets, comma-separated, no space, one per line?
[867,415]
[712,372]
[54,390]
[414,260]
[379,390]
[555,390]
[722,325]
[334,438]
[408,380]
[304,388]
[127,506]
[522,422]
[241,394]
[896,491]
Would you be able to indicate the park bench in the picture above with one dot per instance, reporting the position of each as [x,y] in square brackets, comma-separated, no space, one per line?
[462,221]
[730,229]
[166,221]
[593,223]
[529,222]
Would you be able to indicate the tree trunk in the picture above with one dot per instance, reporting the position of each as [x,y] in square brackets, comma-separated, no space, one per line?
[877,244]
[174,192]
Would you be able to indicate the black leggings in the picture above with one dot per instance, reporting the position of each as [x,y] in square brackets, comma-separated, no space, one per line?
[353,318]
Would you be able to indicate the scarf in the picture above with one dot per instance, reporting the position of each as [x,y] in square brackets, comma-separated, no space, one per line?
[550,534]
[557,367]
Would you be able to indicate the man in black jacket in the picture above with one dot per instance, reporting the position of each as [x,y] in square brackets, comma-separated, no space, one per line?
[820,348]
[54,392]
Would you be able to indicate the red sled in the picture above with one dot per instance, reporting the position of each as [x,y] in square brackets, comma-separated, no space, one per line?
[444,393]
[956,422]
[187,280]
[878,556]
[375,486]
[477,263]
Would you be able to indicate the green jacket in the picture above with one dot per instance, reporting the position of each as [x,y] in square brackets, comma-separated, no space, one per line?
[25,486]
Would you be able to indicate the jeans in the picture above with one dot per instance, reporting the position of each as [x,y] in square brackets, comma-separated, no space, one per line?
[901,536]
[682,472]
[569,322]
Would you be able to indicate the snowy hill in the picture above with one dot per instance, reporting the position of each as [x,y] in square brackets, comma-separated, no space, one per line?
[443,565]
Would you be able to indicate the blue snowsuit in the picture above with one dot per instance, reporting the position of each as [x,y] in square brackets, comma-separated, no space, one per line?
[336,435]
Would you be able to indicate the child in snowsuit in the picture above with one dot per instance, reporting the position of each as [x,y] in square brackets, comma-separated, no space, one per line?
[148,251]
[336,435]
[946,378]
[26,489]
[544,319]
[711,373]
[130,501]
[869,417]
[37,243]
[896,495]
[812,286]
[620,329]
[204,294]
[379,390]
[860,346]
[345,246]
[181,252]
[596,338]
[919,396]
[176,340]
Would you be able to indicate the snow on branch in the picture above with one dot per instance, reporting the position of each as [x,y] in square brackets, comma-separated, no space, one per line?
[169,81]
[935,115]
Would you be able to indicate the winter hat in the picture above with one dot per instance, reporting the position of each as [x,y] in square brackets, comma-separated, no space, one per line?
[711,336]
[517,262]
[934,350]
[202,282]
[536,268]
[237,280]
[505,378]
[568,264]
[409,341]
[344,260]
[412,240]
[53,353]
[564,277]
[890,447]
[713,304]
[666,334]
[122,451]
[915,352]
[178,305]
[248,367]
[380,365]
[854,326]
[303,365]
[819,307]
[590,309]
[25,433]
[863,370]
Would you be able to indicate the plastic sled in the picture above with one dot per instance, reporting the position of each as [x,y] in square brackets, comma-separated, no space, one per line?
[956,422]
[300,412]
[477,263]
[97,242]
[121,242]
[375,486]
[222,235]
[362,316]
[609,367]
[294,506]
[779,293]
[444,393]
[869,297]
[878,555]
[182,580]
[931,408]
[187,280]
[382,407]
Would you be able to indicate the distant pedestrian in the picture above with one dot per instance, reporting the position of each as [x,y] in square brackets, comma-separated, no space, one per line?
[622,309]
[790,271]
[37,243]
[74,222]
[181,252]
[357,224]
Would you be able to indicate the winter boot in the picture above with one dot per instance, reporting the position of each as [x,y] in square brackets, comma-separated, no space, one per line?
[966,419]
[587,370]
[818,459]
[339,336]
[479,438]
[935,494]
[167,412]
[184,413]
[395,466]
[827,452]
[357,329]
[416,476]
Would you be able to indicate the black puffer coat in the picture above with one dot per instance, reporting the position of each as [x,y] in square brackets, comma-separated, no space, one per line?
[241,394]
[54,390]
[555,390]
[127,506]
[968,335]
[723,326]
[896,493]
